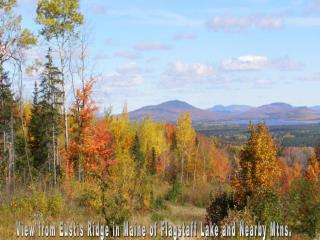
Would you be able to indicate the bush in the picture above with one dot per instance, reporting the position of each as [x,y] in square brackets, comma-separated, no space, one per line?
[158,203]
[175,193]
[117,209]
[55,204]
[219,207]
[267,206]
[157,217]
[89,199]
[38,203]
[304,207]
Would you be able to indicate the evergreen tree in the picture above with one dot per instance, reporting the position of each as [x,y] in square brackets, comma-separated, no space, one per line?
[38,138]
[45,124]
[12,144]
[6,136]
[136,152]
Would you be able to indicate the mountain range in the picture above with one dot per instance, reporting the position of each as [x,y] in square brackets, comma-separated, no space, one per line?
[277,113]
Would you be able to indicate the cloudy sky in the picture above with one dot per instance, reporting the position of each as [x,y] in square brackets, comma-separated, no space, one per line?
[204,52]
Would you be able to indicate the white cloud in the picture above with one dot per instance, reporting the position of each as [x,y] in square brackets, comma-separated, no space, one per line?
[263,83]
[126,54]
[245,63]
[189,71]
[149,46]
[231,23]
[258,63]
[125,78]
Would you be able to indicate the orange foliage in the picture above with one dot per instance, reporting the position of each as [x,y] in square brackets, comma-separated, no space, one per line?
[313,169]
[91,145]
[288,174]
[98,149]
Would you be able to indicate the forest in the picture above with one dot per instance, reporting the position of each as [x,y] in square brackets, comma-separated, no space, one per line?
[66,162]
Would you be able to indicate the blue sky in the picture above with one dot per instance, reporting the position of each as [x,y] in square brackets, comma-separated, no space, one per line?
[204,52]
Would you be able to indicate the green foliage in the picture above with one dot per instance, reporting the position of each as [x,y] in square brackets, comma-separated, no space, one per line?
[89,199]
[304,207]
[45,123]
[117,211]
[58,17]
[175,192]
[158,216]
[267,207]
[136,152]
[27,38]
[158,203]
[38,202]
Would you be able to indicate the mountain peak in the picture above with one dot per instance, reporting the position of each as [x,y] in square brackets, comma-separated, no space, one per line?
[278,104]
[176,104]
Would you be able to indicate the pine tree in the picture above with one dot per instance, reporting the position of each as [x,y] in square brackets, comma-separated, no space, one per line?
[136,152]
[7,138]
[45,124]
[9,125]
[38,138]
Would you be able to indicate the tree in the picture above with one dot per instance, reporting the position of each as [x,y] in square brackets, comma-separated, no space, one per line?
[13,41]
[45,124]
[259,169]
[137,153]
[313,168]
[59,20]
[185,136]
[6,128]
[80,130]
[38,138]
[304,207]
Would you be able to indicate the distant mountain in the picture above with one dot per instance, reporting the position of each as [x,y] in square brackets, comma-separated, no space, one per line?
[281,111]
[276,112]
[170,111]
[316,108]
[230,108]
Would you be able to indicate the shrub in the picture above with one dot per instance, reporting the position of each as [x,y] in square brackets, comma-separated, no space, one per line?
[89,199]
[158,203]
[219,207]
[175,192]
[267,206]
[55,204]
[304,207]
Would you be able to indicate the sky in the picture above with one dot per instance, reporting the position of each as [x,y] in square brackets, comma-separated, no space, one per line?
[205,52]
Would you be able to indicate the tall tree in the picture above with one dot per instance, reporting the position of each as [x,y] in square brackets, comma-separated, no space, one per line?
[59,20]
[80,130]
[13,41]
[6,134]
[45,124]
[259,169]
[185,136]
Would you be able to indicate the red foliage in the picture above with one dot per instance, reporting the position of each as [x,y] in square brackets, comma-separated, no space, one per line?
[98,149]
